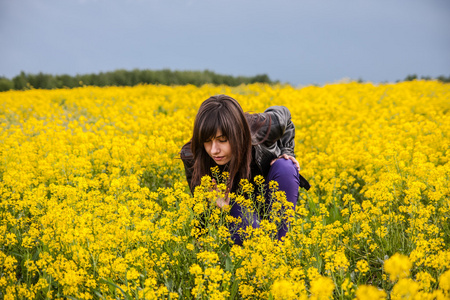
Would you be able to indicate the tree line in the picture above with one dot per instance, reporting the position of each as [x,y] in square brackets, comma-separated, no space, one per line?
[122,77]
[126,78]
[441,78]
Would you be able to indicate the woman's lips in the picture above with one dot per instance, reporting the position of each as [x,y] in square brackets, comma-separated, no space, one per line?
[218,157]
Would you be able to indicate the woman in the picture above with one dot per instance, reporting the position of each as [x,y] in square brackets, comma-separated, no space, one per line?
[244,145]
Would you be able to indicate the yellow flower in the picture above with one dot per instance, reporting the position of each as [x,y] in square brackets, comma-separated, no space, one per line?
[362,266]
[368,292]
[444,281]
[208,257]
[282,289]
[246,291]
[397,266]
[313,273]
[322,288]
[92,187]
[132,274]
[273,185]
[405,288]
[425,280]
[259,180]
[348,287]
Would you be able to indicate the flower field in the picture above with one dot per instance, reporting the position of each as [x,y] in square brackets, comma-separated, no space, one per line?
[94,202]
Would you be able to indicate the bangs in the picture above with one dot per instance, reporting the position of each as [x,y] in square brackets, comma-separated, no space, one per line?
[211,124]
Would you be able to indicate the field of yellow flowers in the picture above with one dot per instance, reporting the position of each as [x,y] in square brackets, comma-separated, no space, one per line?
[94,203]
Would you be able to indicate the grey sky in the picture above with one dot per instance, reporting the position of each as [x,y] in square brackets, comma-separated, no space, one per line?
[296,41]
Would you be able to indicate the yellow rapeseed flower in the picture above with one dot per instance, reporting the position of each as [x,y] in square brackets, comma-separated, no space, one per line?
[282,290]
[92,187]
[444,281]
[368,292]
[397,266]
[322,288]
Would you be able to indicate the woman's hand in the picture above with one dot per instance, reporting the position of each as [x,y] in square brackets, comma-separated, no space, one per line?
[285,156]
[221,201]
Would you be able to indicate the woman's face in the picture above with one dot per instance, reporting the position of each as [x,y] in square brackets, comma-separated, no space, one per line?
[218,148]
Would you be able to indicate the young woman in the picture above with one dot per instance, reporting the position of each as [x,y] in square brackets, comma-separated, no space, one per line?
[244,145]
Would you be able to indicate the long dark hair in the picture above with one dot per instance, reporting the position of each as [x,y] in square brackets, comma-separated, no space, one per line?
[222,113]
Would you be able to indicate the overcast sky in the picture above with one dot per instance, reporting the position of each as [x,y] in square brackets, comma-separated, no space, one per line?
[296,41]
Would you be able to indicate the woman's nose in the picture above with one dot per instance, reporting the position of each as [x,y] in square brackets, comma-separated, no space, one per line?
[215,148]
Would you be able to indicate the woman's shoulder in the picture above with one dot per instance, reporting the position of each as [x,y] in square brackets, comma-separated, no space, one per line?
[279,111]
[186,152]
[258,123]
[274,113]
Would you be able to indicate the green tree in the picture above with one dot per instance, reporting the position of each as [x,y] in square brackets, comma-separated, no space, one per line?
[6,84]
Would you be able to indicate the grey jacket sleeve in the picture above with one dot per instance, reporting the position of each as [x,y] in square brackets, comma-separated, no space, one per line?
[282,134]
[188,162]
[282,130]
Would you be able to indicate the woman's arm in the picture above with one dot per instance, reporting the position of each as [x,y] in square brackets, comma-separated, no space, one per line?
[282,130]
[188,161]
[284,134]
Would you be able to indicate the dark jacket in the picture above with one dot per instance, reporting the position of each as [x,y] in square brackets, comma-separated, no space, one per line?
[273,137]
